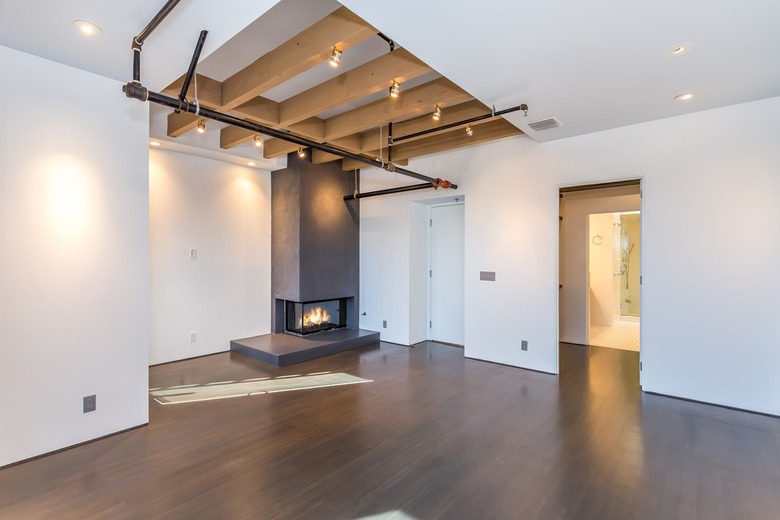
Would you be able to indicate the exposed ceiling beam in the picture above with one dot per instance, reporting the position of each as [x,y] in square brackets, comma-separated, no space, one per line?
[450,114]
[411,102]
[259,110]
[341,28]
[231,136]
[359,82]
[414,101]
[181,123]
[449,140]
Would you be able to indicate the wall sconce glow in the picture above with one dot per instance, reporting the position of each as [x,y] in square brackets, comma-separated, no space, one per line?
[437,113]
[684,97]
[87,28]
[395,89]
[301,153]
[201,126]
[469,130]
[70,199]
[258,141]
[335,57]
[154,143]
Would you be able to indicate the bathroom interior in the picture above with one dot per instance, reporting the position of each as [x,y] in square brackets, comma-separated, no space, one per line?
[614,252]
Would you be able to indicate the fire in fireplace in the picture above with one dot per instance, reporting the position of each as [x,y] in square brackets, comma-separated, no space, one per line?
[303,318]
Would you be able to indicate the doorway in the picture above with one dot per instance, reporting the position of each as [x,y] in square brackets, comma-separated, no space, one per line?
[596,259]
[446,249]
[614,250]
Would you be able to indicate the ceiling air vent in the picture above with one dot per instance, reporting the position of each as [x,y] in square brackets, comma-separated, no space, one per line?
[544,124]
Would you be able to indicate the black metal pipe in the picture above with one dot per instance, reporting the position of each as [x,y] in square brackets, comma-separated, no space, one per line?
[133,90]
[389,191]
[193,63]
[390,141]
[390,42]
[139,39]
[152,25]
[474,119]
[136,63]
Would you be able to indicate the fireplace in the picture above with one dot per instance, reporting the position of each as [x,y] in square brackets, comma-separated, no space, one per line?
[302,318]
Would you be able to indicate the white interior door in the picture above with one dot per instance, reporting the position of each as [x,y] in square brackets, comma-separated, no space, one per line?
[447,273]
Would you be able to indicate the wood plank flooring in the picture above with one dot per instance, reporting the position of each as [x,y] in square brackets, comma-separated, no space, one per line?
[433,436]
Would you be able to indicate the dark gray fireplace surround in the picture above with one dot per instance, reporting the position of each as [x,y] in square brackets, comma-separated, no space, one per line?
[315,256]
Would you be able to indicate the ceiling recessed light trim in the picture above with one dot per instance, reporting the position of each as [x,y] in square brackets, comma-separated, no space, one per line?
[154,143]
[251,163]
[678,49]
[87,28]
[685,96]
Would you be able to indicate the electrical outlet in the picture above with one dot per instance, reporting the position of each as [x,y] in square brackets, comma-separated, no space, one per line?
[384,324]
[487,276]
[90,403]
[193,337]
[523,345]
[193,254]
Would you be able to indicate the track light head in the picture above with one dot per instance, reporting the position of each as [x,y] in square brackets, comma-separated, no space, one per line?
[301,152]
[258,141]
[395,89]
[469,130]
[335,57]
[437,113]
[201,126]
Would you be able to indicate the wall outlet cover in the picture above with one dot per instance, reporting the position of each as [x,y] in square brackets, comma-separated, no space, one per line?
[90,403]
[524,345]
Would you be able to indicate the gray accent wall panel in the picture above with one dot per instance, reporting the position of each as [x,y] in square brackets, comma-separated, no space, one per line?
[315,235]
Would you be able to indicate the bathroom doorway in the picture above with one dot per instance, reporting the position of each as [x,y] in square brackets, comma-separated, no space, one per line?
[580,312]
[614,252]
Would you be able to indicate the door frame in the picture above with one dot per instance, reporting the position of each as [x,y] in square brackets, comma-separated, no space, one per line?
[561,188]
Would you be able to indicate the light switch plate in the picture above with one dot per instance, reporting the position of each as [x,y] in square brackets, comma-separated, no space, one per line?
[487,276]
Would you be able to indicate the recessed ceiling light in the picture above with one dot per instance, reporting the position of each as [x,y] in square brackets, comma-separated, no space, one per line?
[678,49]
[87,28]
[684,97]
[250,163]
[154,143]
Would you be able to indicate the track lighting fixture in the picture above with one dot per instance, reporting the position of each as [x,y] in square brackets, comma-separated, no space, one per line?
[395,89]
[201,126]
[301,152]
[469,130]
[335,57]
[258,141]
[437,113]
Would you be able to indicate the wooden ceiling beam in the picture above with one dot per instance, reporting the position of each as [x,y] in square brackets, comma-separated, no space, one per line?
[415,101]
[350,144]
[341,28]
[181,123]
[449,140]
[359,82]
[412,102]
[260,110]
[231,136]
[450,114]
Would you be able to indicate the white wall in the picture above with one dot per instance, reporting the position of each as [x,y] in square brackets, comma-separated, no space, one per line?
[574,241]
[710,183]
[74,301]
[224,211]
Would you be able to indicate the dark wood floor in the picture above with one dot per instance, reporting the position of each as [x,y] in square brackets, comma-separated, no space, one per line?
[434,436]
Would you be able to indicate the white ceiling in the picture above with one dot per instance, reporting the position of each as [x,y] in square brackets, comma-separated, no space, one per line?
[593,65]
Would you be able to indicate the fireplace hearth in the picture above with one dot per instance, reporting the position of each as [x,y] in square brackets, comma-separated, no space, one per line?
[302,318]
